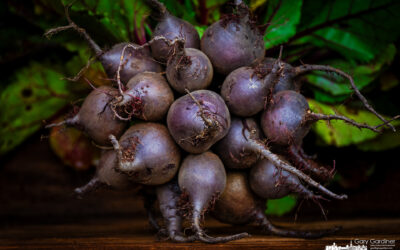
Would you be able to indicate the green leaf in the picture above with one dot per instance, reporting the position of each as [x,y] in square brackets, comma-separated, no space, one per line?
[338,133]
[36,94]
[283,16]
[386,141]
[359,29]
[280,206]
[363,75]
[124,19]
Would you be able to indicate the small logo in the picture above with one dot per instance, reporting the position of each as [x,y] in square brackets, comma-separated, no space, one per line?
[347,247]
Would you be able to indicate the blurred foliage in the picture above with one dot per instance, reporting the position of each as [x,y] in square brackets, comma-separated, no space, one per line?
[359,37]
[280,206]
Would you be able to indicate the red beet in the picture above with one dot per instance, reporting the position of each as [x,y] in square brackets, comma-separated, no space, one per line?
[171,28]
[249,141]
[239,205]
[234,41]
[189,69]
[147,97]
[96,116]
[197,120]
[202,178]
[147,154]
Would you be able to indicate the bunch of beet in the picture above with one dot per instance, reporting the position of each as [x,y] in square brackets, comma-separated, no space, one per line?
[195,150]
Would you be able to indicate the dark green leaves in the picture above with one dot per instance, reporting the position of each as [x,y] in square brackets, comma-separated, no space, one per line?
[36,94]
[282,18]
[335,88]
[359,29]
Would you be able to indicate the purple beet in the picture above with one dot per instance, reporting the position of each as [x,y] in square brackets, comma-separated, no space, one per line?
[245,92]
[247,146]
[135,61]
[285,79]
[171,28]
[189,69]
[234,149]
[197,120]
[287,121]
[147,154]
[234,41]
[147,97]
[270,182]
[202,178]
[238,205]
[96,117]
[106,175]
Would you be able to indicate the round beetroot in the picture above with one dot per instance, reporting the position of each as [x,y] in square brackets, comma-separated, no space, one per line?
[147,154]
[197,120]
[147,97]
[202,178]
[189,69]
[239,205]
[233,42]
[171,28]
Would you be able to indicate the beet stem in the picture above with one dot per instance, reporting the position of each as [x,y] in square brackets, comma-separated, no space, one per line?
[68,122]
[203,237]
[262,220]
[207,121]
[92,185]
[305,68]
[298,156]
[263,149]
[316,116]
[116,146]
[92,44]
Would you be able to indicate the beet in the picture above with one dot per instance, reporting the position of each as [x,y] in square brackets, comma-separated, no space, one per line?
[234,149]
[147,154]
[285,79]
[171,28]
[197,120]
[202,178]
[239,205]
[106,175]
[244,92]
[269,182]
[147,97]
[96,117]
[249,141]
[168,196]
[287,121]
[234,41]
[136,61]
[189,69]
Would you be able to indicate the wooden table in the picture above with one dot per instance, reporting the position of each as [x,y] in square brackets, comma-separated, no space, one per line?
[134,233]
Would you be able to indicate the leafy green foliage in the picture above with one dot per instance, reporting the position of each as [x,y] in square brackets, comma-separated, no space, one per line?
[359,30]
[339,133]
[125,20]
[282,18]
[35,95]
[363,75]
[281,206]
